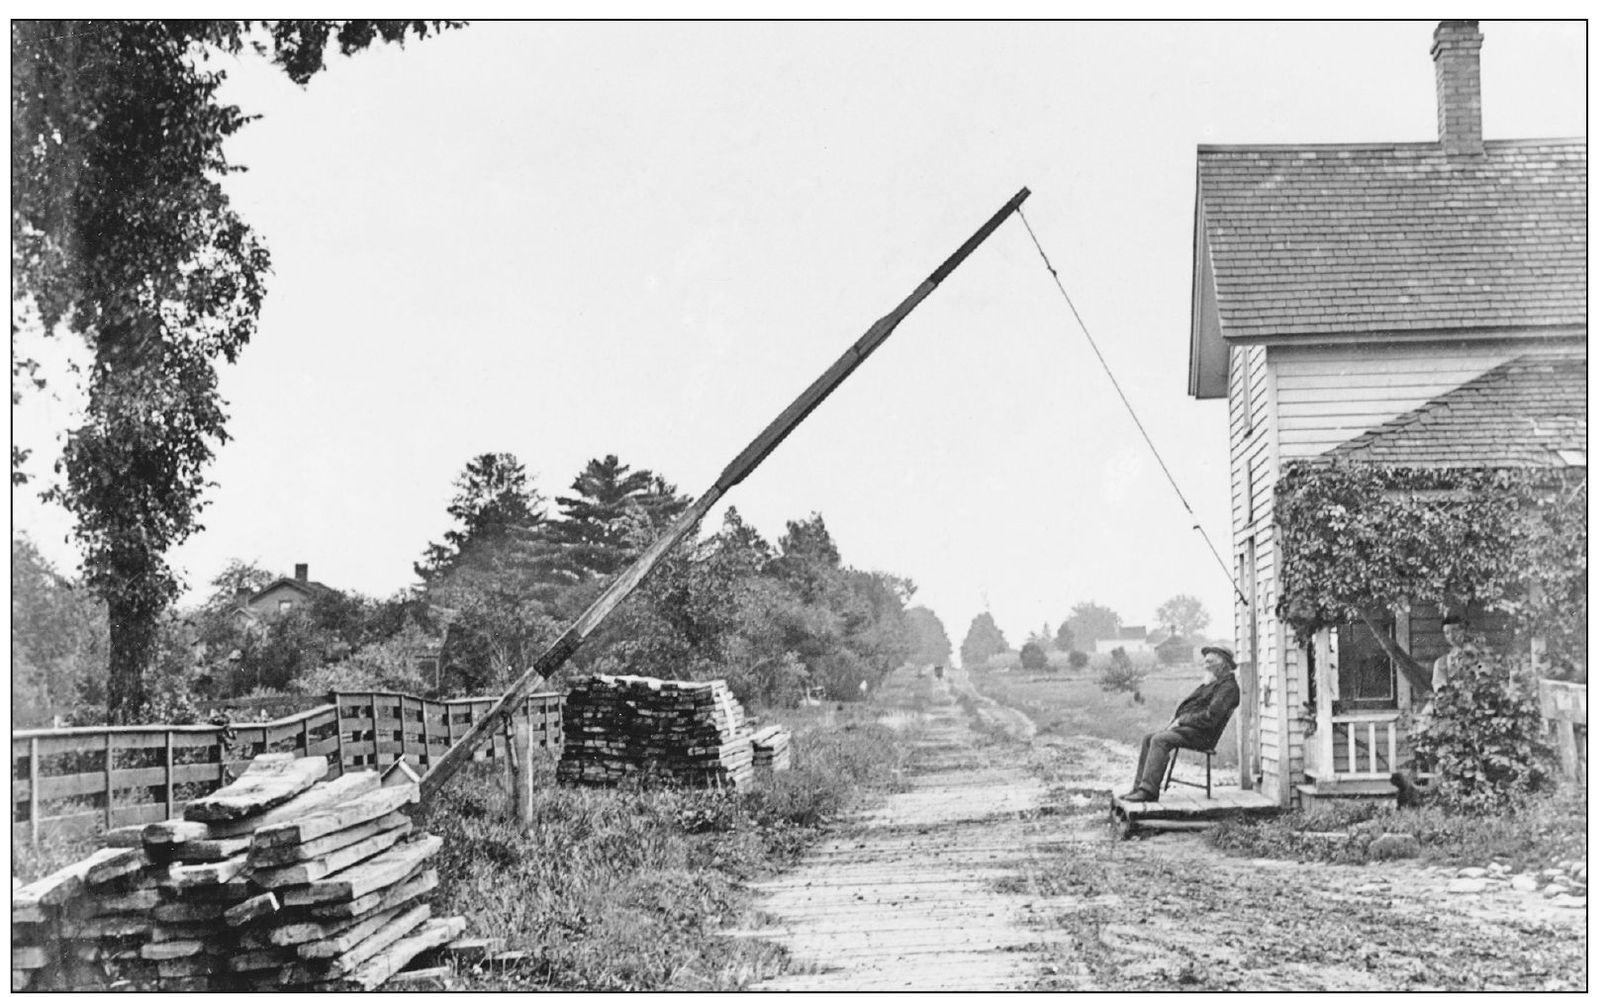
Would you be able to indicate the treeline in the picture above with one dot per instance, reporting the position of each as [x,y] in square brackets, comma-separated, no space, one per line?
[774,619]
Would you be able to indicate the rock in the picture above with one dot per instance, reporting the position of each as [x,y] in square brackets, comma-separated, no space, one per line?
[1578,870]
[1552,872]
[1393,846]
[1471,872]
[1467,885]
[1528,884]
[1554,890]
[1569,900]
[1495,868]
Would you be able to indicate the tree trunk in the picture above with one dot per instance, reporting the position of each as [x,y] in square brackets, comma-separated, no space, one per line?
[133,638]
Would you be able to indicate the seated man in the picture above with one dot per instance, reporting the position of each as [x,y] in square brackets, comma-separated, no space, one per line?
[1196,723]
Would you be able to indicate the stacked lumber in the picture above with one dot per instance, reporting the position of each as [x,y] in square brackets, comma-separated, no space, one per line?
[620,726]
[771,751]
[276,881]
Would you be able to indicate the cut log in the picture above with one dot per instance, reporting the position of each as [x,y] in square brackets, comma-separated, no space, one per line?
[397,925]
[316,869]
[173,832]
[302,829]
[375,874]
[262,857]
[382,967]
[250,910]
[269,781]
[208,874]
[417,885]
[330,795]
[211,849]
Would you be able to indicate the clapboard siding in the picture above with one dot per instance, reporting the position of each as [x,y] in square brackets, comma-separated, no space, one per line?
[1329,394]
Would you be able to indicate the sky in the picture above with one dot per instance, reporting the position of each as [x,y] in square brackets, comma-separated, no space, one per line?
[565,240]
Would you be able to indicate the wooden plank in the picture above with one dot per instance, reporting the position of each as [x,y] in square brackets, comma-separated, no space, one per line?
[396,925]
[114,863]
[209,874]
[261,905]
[269,781]
[173,832]
[372,803]
[349,934]
[212,849]
[130,902]
[331,795]
[291,854]
[417,885]
[385,965]
[189,912]
[180,949]
[316,869]
[376,874]
[260,959]
[127,836]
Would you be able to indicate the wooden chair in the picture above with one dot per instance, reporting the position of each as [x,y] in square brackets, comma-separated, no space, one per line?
[1169,780]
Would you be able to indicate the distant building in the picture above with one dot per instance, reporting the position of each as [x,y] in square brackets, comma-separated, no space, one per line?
[279,597]
[1130,639]
[1173,650]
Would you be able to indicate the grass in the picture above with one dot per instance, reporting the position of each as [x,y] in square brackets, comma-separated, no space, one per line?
[1546,832]
[631,889]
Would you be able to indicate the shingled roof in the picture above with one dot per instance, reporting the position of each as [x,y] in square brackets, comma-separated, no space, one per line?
[1366,239]
[1528,412]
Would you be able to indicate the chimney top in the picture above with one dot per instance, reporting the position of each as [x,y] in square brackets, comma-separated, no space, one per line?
[1456,52]
[301,573]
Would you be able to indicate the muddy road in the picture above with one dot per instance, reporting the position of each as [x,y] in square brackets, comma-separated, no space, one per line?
[998,870]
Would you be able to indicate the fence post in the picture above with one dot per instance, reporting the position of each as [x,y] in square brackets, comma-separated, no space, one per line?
[109,749]
[374,725]
[167,766]
[522,757]
[340,734]
[33,788]
[307,740]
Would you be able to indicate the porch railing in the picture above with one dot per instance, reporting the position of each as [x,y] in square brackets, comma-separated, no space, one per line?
[1564,704]
[1357,746]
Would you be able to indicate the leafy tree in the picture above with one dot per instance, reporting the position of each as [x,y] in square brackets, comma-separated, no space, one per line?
[58,640]
[121,235]
[1486,734]
[1033,656]
[1077,660]
[492,499]
[927,630]
[1184,615]
[983,640]
[1121,674]
[1088,623]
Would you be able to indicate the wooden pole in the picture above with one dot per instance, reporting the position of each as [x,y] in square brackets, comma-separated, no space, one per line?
[741,466]
[168,764]
[33,790]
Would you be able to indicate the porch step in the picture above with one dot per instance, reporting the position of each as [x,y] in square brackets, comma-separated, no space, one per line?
[1318,794]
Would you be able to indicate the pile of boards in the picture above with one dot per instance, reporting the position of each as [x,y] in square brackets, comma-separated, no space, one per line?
[771,751]
[618,727]
[277,881]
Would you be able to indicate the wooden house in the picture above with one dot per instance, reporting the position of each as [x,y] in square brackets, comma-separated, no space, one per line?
[281,596]
[1413,303]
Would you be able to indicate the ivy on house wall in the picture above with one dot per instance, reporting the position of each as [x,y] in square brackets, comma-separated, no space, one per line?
[1365,538]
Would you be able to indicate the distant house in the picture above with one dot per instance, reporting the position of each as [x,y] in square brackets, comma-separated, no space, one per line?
[1130,639]
[1419,304]
[279,597]
[1173,650]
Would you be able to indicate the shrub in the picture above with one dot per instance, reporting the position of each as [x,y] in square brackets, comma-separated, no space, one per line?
[1033,657]
[1486,734]
[1121,674]
[1077,660]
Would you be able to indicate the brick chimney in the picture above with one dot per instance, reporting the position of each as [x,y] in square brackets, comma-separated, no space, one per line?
[301,573]
[1457,54]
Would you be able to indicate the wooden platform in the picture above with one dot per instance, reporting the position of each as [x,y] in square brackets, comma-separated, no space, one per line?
[1191,809]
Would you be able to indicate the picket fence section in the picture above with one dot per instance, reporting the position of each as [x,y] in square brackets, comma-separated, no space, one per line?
[78,778]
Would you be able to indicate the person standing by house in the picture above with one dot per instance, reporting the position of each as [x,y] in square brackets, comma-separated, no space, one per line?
[1197,724]
[1456,634]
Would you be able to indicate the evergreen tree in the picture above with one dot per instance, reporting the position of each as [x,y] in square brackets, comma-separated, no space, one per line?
[983,640]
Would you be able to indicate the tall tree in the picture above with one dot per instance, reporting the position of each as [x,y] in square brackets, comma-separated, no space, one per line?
[122,235]
[927,630]
[58,639]
[596,523]
[492,502]
[983,640]
[1088,623]
[1184,615]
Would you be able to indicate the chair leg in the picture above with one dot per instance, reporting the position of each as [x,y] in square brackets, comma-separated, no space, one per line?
[1167,780]
[1209,775]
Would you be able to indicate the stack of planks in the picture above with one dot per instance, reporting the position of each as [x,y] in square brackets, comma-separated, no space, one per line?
[276,881]
[620,726]
[771,751]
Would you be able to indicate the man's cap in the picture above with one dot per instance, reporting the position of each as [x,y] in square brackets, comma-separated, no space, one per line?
[1224,651]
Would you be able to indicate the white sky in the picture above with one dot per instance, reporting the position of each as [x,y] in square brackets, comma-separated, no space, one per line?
[567,240]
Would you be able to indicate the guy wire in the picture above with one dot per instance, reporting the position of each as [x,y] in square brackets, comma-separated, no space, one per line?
[1195,523]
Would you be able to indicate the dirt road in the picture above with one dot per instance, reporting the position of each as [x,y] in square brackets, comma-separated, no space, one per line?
[997,871]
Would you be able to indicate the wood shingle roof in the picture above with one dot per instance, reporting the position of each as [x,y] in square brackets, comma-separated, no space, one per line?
[1364,239]
[1528,412]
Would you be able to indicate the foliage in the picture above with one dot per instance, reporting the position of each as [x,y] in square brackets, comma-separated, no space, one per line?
[1359,538]
[1077,660]
[1184,615]
[394,664]
[58,639]
[1087,623]
[927,631]
[1121,674]
[597,529]
[983,640]
[492,499]
[1033,657]
[1486,734]
[122,235]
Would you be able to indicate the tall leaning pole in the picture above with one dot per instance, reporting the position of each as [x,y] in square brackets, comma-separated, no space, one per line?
[741,467]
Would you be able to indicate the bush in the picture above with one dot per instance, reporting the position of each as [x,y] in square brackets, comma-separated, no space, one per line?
[1077,660]
[1486,734]
[1033,657]
[1121,674]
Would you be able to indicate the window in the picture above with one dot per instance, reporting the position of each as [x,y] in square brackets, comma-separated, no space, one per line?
[284,606]
[1364,674]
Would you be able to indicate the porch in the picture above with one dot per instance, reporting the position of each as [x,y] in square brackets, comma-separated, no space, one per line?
[1352,756]
[1190,809]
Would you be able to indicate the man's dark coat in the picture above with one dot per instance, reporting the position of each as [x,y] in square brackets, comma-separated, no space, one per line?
[1203,714]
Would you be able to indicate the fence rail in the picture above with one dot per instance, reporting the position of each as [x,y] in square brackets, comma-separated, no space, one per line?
[78,778]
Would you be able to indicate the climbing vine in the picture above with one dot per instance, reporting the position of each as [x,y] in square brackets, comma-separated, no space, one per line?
[1359,538]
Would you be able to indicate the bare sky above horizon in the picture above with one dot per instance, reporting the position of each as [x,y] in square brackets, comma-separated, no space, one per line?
[564,240]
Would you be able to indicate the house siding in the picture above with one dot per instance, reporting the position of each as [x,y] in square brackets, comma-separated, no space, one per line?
[1330,394]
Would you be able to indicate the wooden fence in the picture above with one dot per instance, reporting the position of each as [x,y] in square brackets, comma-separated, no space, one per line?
[1564,704]
[80,778]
